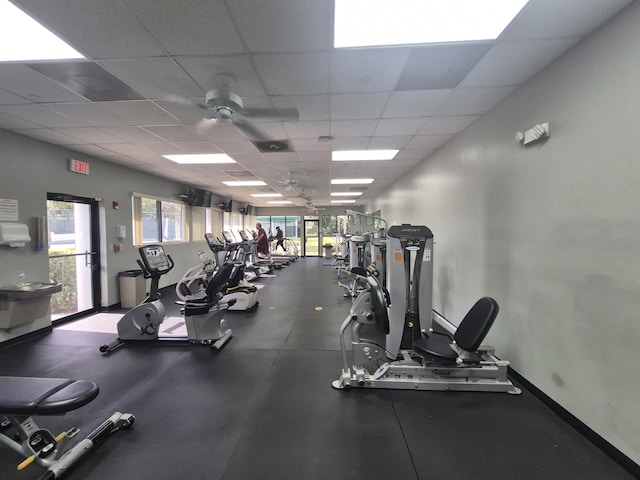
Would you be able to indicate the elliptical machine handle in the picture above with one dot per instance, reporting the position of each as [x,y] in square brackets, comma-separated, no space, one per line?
[171,264]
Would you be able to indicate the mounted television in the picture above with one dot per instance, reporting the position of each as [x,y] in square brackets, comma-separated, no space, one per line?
[248,209]
[199,198]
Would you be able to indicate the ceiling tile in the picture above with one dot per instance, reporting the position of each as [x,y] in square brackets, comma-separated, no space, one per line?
[205,70]
[440,66]
[140,112]
[15,123]
[309,130]
[447,125]
[415,104]
[567,18]
[283,25]
[383,143]
[367,70]
[472,101]
[158,77]
[174,133]
[89,135]
[399,126]
[295,73]
[512,63]
[312,107]
[51,136]
[21,80]
[358,105]
[352,128]
[426,142]
[189,27]
[87,113]
[39,115]
[131,134]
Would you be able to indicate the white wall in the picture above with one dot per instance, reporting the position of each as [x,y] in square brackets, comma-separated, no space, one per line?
[552,230]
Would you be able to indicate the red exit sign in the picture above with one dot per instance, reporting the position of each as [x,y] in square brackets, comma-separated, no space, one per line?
[78,167]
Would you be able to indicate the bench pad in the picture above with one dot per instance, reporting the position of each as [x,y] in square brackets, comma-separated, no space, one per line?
[44,396]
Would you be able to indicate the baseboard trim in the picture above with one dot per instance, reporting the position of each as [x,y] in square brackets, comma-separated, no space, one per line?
[611,451]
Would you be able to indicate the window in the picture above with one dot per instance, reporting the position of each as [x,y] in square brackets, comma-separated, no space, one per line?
[157,220]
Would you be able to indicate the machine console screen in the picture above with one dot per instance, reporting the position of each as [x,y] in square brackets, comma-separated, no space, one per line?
[154,258]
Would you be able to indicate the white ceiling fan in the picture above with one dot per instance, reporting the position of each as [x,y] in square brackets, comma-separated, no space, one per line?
[224,105]
[292,182]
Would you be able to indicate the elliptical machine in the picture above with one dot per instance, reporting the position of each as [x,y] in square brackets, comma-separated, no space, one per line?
[202,312]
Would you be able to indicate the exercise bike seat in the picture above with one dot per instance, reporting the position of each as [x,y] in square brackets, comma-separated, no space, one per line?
[44,396]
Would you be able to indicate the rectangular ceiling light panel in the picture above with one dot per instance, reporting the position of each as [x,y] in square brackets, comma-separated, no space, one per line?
[351,181]
[368,23]
[357,155]
[23,39]
[248,183]
[205,158]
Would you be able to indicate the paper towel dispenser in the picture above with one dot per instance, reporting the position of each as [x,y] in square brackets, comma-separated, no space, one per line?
[14,234]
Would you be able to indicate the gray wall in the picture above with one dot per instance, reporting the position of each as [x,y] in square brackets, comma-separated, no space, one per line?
[551,230]
[31,168]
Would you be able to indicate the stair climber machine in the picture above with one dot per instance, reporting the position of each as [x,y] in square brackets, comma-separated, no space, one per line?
[202,311]
[197,278]
[390,349]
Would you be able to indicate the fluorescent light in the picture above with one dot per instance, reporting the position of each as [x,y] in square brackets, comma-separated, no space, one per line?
[23,39]
[351,181]
[366,23]
[343,201]
[346,194]
[266,195]
[245,183]
[279,202]
[200,158]
[355,155]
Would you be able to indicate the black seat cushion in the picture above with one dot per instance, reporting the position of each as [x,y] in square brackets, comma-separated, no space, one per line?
[469,335]
[44,396]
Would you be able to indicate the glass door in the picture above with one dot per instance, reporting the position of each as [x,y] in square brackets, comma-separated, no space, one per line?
[311,240]
[73,255]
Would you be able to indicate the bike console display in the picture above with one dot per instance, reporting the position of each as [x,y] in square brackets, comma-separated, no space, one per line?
[155,260]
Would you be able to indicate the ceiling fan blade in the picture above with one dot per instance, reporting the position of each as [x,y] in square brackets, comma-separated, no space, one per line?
[184,101]
[205,124]
[284,114]
[250,131]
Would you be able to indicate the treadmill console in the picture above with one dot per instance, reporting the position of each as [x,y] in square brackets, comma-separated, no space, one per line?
[228,237]
[155,259]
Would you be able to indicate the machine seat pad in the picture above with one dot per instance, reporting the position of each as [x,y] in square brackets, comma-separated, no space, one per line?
[436,346]
[44,396]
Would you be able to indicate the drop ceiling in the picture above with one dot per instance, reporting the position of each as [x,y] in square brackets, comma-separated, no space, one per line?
[150,62]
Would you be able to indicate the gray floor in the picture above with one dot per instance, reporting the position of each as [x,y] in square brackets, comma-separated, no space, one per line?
[263,407]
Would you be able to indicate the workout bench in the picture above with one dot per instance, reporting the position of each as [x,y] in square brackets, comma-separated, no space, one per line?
[22,397]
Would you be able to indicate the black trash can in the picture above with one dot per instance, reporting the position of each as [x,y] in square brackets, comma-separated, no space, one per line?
[133,288]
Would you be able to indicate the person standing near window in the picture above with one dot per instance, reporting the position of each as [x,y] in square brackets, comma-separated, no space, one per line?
[263,241]
[280,239]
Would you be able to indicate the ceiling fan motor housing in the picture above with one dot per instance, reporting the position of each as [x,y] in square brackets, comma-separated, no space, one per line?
[223,105]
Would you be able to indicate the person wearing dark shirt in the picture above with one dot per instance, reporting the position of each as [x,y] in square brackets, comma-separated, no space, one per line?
[263,241]
[280,239]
